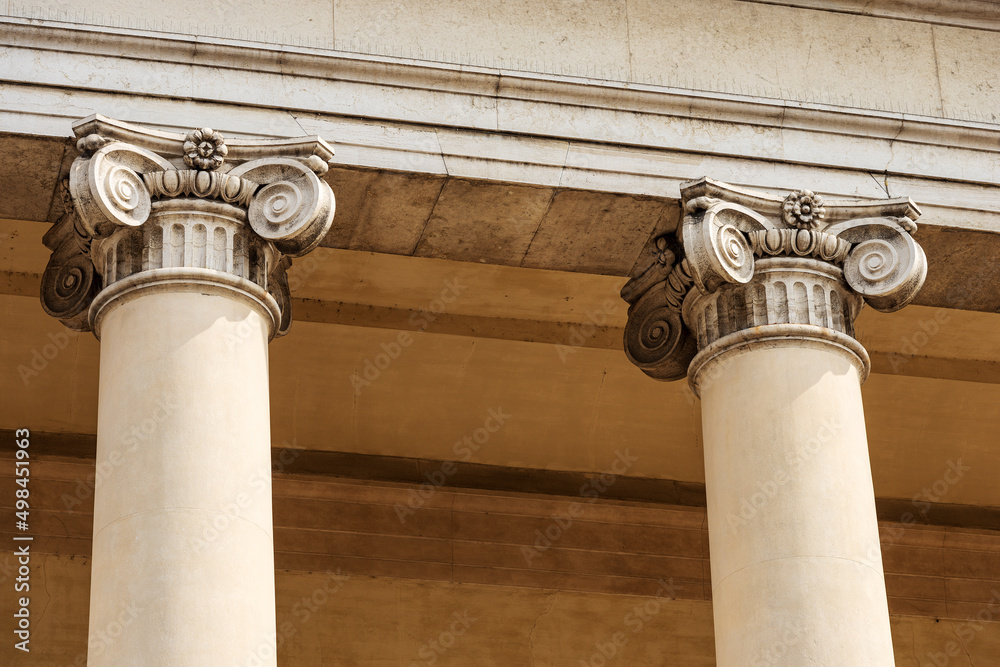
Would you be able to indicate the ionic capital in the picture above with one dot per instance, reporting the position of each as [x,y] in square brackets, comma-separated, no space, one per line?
[747,268]
[151,209]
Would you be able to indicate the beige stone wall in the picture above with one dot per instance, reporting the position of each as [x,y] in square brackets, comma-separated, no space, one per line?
[441,387]
[734,46]
[356,583]
[390,622]
[359,620]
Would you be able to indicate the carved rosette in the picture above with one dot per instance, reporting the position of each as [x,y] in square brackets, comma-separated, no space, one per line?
[205,149]
[803,209]
[748,266]
[150,207]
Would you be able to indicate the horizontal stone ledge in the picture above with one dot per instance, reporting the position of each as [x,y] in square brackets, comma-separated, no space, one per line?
[575,230]
[129,47]
[904,359]
[958,181]
[443,118]
[403,470]
[553,143]
[884,361]
[533,226]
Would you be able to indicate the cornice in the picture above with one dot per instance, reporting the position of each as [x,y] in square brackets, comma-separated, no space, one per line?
[257,59]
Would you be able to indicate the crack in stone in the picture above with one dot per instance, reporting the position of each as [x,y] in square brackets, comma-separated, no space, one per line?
[937,69]
[531,638]
[892,156]
[965,648]
[628,42]
[48,596]
[881,185]
[295,119]
[597,403]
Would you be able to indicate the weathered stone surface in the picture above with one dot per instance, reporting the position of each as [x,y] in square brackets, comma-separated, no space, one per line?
[594,233]
[967,65]
[969,13]
[511,35]
[29,173]
[960,271]
[708,48]
[804,54]
[479,222]
[381,211]
[309,21]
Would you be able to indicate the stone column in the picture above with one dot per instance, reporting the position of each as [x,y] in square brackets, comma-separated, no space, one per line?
[174,253]
[754,302]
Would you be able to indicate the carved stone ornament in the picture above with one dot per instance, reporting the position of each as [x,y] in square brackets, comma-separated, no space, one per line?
[803,209]
[745,265]
[205,149]
[168,206]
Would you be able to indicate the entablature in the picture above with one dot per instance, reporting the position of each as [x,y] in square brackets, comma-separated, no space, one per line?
[426,150]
